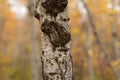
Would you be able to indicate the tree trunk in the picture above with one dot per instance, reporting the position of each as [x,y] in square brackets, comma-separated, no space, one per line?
[22,61]
[56,39]
[35,56]
[90,53]
[98,38]
[115,39]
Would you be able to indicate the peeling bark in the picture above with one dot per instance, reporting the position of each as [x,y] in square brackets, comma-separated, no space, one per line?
[56,40]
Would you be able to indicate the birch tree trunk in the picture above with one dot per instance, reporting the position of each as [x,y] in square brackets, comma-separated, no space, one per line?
[90,53]
[22,61]
[35,57]
[2,21]
[115,38]
[99,39]
[56,39]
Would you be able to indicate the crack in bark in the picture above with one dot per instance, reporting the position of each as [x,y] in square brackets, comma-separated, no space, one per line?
[62,74]
[42,68]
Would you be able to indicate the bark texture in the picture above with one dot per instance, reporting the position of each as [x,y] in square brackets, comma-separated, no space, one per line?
[56,39]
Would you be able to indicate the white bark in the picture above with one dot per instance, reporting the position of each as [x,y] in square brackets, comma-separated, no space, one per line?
[35,56]
[56,62]
[22,61]
[90,53]
[115,39]
[114,33]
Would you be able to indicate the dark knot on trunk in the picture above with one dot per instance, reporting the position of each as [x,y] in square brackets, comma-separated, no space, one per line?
[58,35]
[53,7]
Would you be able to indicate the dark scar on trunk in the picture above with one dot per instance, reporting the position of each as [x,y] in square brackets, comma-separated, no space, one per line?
[58,35]
[53,7]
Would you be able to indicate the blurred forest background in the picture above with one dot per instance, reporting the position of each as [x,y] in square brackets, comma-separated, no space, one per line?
[95,29]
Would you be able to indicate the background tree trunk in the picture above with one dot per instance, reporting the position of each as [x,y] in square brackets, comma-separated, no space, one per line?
[115,38]
[90,53]
[35,56]
[98,38]
[56,40]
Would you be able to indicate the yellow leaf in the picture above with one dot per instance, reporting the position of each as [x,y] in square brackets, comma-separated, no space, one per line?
[90,53]
[116,64]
